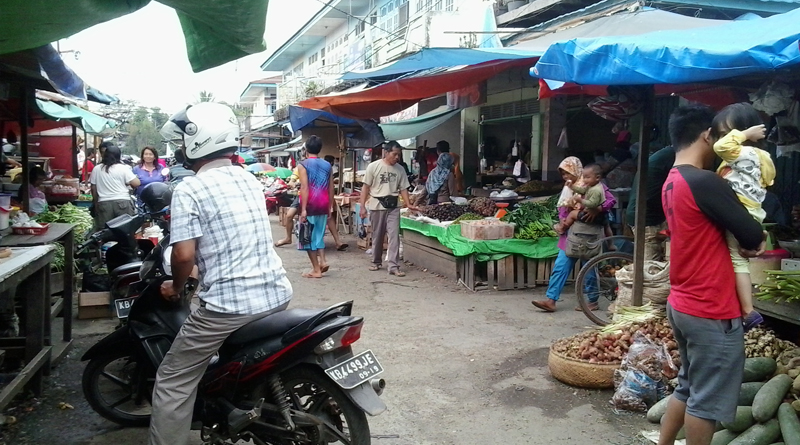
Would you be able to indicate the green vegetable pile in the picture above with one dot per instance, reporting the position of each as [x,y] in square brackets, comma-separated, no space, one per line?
[69,214]
[780,285]
[467,217]
[766,412]
[534,220]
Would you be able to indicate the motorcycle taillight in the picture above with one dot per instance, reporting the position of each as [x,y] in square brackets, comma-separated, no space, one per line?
[340,339]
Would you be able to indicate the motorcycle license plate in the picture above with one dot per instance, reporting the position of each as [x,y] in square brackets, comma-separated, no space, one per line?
[123,306]
[355,371]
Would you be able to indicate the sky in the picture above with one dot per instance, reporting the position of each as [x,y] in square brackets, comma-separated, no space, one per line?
[142,56]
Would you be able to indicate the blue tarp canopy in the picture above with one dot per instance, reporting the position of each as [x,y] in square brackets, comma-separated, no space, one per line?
[305,117]
[428,58]
[673,57]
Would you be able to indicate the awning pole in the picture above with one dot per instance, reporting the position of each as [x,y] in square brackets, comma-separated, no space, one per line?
[641,196]
[23,142]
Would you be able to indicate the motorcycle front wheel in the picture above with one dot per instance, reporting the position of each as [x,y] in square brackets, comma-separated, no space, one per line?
[310,390]
[117,388]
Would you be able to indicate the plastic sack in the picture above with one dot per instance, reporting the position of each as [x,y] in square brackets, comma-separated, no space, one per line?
[644,375]
[565,198]
[636,391]
[38,205]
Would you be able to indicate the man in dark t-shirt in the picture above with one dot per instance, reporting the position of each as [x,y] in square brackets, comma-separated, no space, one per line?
[703,308]
[658,166]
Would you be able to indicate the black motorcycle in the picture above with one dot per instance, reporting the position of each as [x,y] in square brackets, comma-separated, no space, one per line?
[123,260]
[288,378]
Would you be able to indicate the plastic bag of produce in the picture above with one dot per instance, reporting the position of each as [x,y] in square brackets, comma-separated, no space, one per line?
[643,378]
[650,357]
[636,391]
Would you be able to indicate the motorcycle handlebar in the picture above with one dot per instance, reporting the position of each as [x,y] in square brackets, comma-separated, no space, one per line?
[94,239]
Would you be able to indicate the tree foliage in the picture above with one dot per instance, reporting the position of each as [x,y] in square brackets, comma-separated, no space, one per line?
[138,126]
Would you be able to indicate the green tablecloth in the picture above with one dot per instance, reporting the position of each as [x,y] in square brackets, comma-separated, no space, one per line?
[451,238]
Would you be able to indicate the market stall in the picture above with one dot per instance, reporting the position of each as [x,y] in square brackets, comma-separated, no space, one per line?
[469,243]
[28,267]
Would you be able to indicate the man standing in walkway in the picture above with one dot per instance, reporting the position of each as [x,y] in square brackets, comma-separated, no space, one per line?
[316,198]
[703,307]
[384,182]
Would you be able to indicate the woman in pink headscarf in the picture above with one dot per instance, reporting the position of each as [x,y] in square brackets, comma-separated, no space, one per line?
[571,169]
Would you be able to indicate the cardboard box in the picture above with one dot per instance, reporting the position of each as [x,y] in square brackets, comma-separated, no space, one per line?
[94,305]
[481,230]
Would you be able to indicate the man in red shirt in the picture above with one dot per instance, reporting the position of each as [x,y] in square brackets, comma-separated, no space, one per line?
[703,308]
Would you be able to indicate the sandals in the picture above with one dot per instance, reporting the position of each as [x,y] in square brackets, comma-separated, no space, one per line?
[397,273]
[343,247]
[375,267]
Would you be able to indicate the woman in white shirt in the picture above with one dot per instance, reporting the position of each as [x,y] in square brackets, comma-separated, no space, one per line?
[110,188]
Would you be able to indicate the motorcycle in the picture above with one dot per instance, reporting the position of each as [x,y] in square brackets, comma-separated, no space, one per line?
[290,377]
[124,259]
[278,195]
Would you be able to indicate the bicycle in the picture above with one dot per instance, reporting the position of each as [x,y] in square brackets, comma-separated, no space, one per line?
[596,282]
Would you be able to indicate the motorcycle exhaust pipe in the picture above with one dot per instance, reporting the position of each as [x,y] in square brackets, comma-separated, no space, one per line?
[378,385]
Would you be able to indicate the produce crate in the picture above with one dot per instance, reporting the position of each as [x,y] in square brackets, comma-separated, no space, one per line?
[94,305]
[480,230]
[511,272]
[366,243]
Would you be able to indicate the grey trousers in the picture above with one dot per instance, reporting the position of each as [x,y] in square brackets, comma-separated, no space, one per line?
[383,222]
[179,374]
[105,211]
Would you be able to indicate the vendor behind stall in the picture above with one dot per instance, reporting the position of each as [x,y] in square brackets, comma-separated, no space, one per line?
[38,200]
[441,182]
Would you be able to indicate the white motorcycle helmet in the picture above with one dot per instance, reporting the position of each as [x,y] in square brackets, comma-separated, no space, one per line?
[204,129]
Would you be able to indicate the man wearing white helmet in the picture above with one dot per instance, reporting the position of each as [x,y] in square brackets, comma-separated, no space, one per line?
[241,277]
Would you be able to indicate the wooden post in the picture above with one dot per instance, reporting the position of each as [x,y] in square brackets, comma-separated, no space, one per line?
[23,145]
[554,110]
[75,151]
[641,197]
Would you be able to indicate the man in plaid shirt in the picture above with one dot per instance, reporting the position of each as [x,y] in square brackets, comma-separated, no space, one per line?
[219,224]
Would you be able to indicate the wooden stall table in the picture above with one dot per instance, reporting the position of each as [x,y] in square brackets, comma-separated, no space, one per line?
[343,206]
[29,266]
[58,232]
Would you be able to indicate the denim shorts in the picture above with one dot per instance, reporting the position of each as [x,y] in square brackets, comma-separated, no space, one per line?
[712,364]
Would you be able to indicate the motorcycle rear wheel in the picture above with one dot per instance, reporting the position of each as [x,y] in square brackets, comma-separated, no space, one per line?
[310,390]
[112,386]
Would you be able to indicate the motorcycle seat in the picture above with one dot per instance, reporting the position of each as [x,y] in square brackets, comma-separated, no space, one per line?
[127,268]
[271,325]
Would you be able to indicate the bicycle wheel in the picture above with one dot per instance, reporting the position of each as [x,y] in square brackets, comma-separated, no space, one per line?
[596,287]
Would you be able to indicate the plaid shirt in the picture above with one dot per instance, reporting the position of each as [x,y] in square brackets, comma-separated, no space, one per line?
[223,207]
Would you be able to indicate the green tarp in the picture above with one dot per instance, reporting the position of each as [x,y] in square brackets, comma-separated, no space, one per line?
[451,238]
[414,127]
[87,120]
[216,31]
